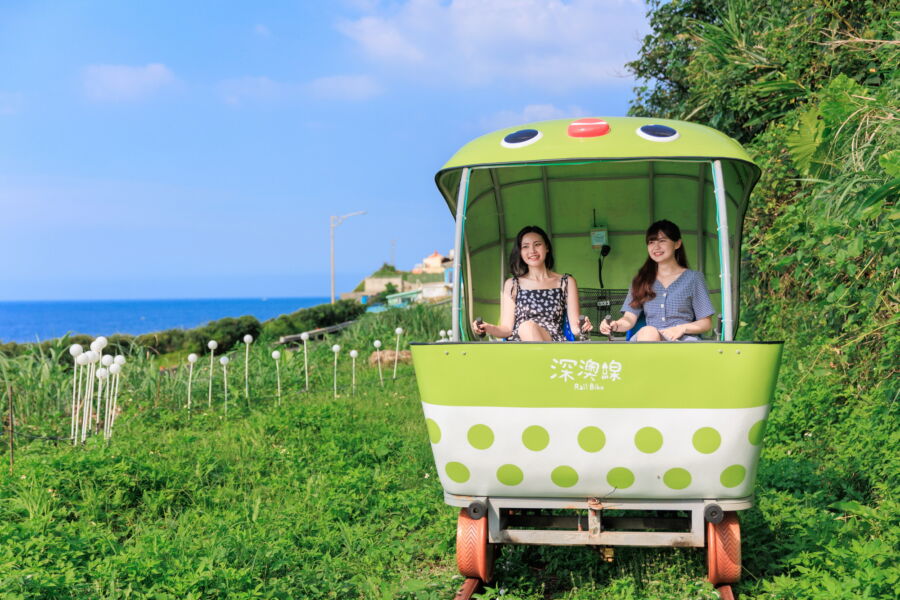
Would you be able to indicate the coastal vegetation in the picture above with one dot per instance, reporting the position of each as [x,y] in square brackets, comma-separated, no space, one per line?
[228,332]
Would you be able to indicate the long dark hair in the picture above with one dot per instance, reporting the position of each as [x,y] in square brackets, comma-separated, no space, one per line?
[517,266]
[642,284]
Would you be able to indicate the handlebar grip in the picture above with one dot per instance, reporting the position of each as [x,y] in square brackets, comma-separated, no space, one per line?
[479,321]
[608,320]
[582,335]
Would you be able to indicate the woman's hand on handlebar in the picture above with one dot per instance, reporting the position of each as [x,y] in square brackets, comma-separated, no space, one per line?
[607,327]
[478,326]
[585,324]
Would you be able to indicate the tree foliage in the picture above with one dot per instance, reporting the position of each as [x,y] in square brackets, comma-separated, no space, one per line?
[811,89]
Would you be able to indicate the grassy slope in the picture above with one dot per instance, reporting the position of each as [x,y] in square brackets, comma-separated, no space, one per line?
[338,498]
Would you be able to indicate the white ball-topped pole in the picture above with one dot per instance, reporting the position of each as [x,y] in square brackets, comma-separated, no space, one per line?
[248,339]
[305,337]
[336,349]
[277,356]
[212,345]
[353,355]
[399,332]
[111,393]
[192,358]
[75,351]
[377,344]
[102,374]
[107,360]
[120,360]
[224,362]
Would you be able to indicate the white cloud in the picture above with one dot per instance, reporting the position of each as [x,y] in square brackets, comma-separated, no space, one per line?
[345,87]
[548,43]
[532,112]
[242,90]
[261,30]
[383,40]
[11,102]
[115,83]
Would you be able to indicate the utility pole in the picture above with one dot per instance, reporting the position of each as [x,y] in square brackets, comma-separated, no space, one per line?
[394,253]
[335,221]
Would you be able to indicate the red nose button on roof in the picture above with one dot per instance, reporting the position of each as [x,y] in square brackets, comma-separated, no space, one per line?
[589,127]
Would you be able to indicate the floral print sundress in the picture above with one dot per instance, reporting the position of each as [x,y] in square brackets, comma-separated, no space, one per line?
[544,307]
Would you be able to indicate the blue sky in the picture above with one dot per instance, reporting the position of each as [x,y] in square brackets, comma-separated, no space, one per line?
[197,149]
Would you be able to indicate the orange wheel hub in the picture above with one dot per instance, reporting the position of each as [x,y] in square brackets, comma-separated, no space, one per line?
[723,550]
[474,555]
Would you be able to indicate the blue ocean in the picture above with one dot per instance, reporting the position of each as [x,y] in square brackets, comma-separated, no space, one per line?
[42,320]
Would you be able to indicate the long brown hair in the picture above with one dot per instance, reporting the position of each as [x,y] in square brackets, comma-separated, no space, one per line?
[642,284]
[517,266]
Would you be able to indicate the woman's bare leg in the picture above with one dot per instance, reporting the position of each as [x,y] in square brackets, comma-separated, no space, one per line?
[529,331]
[648,334]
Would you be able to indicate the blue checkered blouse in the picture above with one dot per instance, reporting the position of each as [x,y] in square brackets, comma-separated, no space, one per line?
[685,300]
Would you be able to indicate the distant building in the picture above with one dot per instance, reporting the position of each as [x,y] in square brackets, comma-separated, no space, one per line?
[434,263]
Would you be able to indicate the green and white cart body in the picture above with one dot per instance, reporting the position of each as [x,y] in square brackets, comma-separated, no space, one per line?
[595,426]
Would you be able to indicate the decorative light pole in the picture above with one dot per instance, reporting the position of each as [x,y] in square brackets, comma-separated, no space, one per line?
[224,362]
[111,392]
[120,362]
[75,350]
[305,337]
[336,349]
[335,221]
[377,344]
[192,358]
[212,345]
[399,332]
[353,355]
[82,360]
[248,339]
[277,355]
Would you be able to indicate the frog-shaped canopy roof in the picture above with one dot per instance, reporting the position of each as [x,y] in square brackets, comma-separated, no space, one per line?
[594,138]
[570,176]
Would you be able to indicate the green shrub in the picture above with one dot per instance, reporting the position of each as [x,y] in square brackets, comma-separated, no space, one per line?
[323,315]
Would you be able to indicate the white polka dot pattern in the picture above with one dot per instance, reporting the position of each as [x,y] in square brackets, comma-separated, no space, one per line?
[596,452]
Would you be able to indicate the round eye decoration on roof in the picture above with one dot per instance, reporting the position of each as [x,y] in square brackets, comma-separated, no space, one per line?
[657,133]
[588,127]
[520,138]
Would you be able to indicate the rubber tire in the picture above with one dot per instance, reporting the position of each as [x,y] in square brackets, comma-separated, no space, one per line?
[723,550]
[474,555]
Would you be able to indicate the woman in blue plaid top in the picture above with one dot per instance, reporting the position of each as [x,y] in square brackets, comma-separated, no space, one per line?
[674,299]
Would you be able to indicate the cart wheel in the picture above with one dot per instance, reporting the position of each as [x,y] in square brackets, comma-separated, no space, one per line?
[474,555]
[723,550]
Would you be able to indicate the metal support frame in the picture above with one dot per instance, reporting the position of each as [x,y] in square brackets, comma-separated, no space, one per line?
[455,335]
[547,214]
[724,252]
[597,529]
[501,224]
[701,201]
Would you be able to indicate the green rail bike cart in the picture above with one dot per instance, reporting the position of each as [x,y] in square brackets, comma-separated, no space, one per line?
[597,442]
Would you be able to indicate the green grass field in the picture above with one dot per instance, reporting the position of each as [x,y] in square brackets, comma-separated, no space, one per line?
[324,497]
